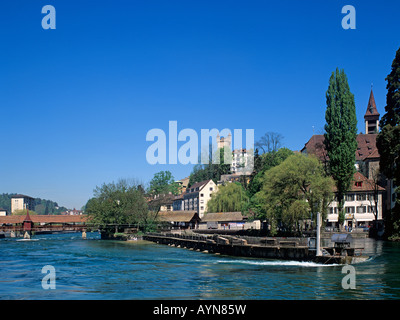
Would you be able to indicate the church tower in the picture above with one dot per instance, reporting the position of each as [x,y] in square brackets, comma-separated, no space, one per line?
[371,116]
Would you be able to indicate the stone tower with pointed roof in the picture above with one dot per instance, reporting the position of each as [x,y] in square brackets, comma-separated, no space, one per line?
[27,223]
[371,116]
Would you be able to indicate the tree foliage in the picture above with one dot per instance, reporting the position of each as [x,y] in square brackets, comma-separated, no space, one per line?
[163,183]
[229,198]
[293,191]
[269,142]
[213,171]
[118,203]
[388,140]
[340,134]
[264,162]
[23,212]
[161,190]
[42,206]
[392,108]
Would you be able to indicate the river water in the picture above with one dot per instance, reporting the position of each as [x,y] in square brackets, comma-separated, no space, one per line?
[101,269]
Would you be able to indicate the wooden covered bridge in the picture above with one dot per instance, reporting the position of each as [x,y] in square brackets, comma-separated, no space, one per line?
[43,223]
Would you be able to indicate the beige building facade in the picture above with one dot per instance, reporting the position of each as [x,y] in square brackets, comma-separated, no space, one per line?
[198,195]
[22,202]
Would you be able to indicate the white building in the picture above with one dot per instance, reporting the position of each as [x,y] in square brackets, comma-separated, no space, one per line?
[242,159]
[197,196]
[359,203]
[242,162]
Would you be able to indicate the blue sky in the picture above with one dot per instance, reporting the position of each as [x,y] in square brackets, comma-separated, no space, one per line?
[76,102]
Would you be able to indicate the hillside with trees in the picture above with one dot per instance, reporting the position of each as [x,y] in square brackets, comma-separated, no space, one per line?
[42,206]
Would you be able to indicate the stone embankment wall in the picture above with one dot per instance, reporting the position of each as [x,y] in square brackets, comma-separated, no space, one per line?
[285,248]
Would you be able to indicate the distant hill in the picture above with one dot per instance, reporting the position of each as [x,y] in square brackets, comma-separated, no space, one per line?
[42,206]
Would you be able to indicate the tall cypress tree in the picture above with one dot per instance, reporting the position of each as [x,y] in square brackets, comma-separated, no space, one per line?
[340,135]
[388,140]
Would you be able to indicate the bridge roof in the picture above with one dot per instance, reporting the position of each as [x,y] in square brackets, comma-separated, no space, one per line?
[44,219]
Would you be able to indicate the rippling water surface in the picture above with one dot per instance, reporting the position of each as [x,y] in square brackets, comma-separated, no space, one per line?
[98,269]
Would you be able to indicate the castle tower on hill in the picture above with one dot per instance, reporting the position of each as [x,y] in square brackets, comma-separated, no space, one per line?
[224,141]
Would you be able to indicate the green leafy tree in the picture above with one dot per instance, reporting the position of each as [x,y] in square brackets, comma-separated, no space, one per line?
[161,191]
[294,191]
[5,201]
[264,162]
[43,206]
[116,204]
[340,135]
[388,141]
[229,198]
[392,108]
[23,212]
[163,183]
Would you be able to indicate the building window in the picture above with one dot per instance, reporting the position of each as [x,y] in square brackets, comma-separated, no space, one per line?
[349,197]
[333,210]
[361,197]
[361,209]
[201,208]
[371,197]
[349,209]
[358,183]
[211,189]
[201,194]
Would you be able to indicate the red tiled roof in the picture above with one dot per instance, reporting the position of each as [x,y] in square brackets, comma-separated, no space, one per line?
[44,219]
[27,217]
[178,216]
[366,147]
[362,183]
[222,216]
[316,147]
[374,155]
[197,185]
[371,108]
